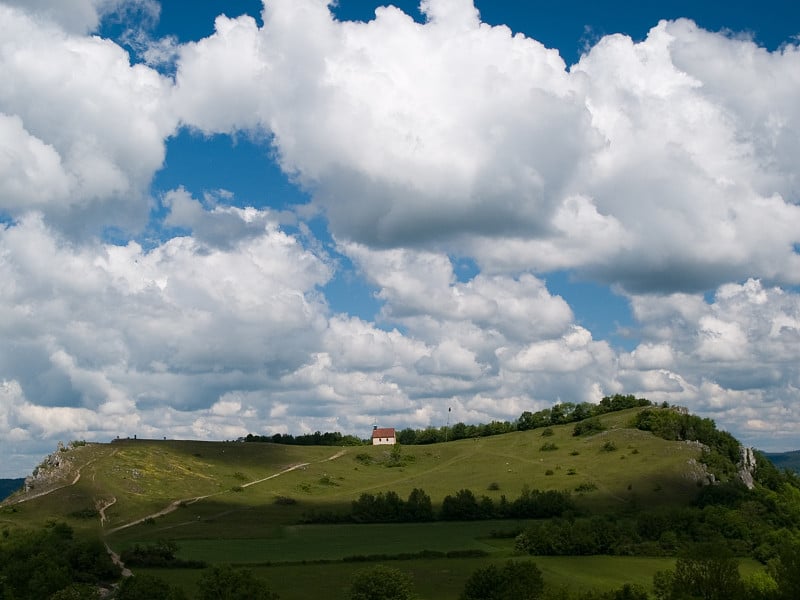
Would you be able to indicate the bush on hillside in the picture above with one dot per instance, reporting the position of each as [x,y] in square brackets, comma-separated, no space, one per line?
[588,427]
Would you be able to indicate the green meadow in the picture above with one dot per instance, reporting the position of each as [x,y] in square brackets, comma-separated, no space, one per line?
[443,579]
[249,503]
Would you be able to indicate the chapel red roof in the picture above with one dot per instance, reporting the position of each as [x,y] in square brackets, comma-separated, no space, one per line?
[385,432]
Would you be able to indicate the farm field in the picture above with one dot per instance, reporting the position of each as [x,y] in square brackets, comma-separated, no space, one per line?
[336,542]
[443,579]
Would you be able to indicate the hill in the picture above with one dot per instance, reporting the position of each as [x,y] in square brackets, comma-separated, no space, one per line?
[785,460]
[308,517]
[138,478]
[8,486]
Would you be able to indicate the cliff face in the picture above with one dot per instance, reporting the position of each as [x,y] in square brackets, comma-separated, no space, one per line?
[747,466]
[51,471]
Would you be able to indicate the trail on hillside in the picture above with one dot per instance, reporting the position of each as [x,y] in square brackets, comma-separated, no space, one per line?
[126,572]
[54,489]
[46,492]
[103,508]
[293,468]
[59,487]
[173,506]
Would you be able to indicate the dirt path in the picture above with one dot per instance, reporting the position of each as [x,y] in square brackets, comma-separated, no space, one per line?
[51,490]
[60,487]
[177,503]
[340,453]
[126,572]
[293,468]
[103,508]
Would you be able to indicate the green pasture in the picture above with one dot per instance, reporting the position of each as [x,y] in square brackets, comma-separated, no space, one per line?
[244,503]
[233,489]
[335,542]
[146,476]
[443,579]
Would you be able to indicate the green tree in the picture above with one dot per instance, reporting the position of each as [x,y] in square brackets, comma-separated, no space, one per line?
[525,421]
[77,591]
[381,583]
[786,570]
[760,586]
[461,507]
[147,587]
[706,571]
[418,507]
[407,436]
[588,427]
[520,580]
[223,582]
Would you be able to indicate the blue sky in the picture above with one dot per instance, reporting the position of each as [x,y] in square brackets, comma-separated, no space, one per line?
[317,218]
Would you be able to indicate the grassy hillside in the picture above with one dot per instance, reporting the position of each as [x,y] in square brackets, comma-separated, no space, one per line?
[248,503]
[230,489]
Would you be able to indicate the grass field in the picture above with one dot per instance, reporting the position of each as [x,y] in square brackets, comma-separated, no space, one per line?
[443,579]
[335,542]
[218,501]
[146,476]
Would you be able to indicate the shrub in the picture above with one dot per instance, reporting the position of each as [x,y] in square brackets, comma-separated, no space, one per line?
[609,446]
[548,447]
[284,501]
[363,458]
[520,579]
[494,486]
[381,583]
[586,486]
[547,432]
[227,582]
[588,427]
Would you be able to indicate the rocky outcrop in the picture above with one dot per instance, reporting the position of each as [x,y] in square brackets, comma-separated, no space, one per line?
[747,467]
[51,471]
[699,472]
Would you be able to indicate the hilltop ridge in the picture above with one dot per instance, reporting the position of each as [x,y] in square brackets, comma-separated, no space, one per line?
[609,461]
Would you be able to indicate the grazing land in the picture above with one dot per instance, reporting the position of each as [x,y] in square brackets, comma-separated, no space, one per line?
[285,511]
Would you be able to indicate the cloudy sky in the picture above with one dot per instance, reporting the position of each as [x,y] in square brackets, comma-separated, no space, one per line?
[289,216]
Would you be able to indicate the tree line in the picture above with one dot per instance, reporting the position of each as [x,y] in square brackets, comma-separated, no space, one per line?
[558,414]
[464,505]
[36,564]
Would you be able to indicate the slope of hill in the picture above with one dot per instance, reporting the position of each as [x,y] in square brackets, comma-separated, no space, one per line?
[135,479]
[288,511]
[785,460]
